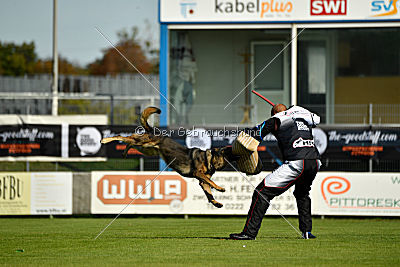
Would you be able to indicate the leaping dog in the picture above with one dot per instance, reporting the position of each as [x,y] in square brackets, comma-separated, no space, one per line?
[188,162]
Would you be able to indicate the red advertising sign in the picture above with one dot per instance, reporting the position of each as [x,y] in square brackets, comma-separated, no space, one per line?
[328,7]
[121,189]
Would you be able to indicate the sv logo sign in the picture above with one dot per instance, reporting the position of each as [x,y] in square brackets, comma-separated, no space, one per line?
[388,7]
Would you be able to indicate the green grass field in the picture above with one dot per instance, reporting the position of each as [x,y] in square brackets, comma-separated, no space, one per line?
[196,241]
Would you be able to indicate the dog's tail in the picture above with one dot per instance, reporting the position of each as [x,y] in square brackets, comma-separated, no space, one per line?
[145,115]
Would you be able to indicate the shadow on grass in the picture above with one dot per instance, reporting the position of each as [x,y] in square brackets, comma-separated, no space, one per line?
[200,237]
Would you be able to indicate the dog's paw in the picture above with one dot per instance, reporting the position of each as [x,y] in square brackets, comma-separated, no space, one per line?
[221,189]
[217,204]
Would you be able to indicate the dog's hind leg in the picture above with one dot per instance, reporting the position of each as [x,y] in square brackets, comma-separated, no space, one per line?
[207,190]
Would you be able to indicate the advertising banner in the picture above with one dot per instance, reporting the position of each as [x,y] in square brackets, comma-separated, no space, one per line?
[30,140]
[172,194]
[51,193]
[362,142]
[44,193]
[332,194]
[374,194]
[47,138]
[333,143]
[115,149]
[82,142]
[15,193]
[262,11]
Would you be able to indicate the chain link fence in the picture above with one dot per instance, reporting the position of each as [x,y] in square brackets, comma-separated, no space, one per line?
[119,85]
[123,97]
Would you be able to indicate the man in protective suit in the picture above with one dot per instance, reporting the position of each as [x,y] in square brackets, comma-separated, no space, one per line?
[293,129]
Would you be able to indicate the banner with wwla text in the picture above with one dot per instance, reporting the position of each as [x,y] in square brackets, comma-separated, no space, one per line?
[333,193]
[171,193]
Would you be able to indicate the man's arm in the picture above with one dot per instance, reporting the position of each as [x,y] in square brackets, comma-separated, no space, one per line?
[298,112]
[260,131]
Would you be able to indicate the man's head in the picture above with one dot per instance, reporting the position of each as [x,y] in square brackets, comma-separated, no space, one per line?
[278,108]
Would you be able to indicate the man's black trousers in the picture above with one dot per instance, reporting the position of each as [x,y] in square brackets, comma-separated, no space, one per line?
[300,173]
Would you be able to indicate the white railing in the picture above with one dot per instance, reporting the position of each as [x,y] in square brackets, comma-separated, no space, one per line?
[123,84]
[32,95]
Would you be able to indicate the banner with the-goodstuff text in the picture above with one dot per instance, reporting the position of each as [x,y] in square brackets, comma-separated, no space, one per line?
[341,143]
[331,194]
[82,142]
[35,193]
[30,140]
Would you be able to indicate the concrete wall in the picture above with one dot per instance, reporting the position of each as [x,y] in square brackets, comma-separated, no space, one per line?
[81,192]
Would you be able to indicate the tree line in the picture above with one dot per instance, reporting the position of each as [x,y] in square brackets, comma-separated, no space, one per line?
[22,59]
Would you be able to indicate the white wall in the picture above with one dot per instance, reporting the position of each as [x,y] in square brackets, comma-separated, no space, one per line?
[221,72]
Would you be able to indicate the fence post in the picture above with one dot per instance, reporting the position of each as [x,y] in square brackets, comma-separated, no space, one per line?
[112,109]
[370,167]
[141,164]
[370,113]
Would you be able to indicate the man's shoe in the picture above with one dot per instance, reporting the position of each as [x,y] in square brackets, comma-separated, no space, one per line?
[308,235]
[241,236]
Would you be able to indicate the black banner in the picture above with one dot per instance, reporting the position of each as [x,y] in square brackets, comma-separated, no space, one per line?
[334,143]
[115,149]
[30,140]
[84,141]
[363,142]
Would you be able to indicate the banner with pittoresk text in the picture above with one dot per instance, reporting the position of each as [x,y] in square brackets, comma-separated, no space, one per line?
[35,193]
[332,194]
[374,194]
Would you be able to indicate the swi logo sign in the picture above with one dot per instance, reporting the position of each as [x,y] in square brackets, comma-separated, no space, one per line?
[382,8]
[121,189]
[265,8]
[328,7]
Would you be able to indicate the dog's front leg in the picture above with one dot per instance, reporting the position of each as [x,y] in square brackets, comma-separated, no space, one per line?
[207,190]
[206,179]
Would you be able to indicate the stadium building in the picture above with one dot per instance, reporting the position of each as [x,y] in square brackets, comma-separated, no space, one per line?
[338,58]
